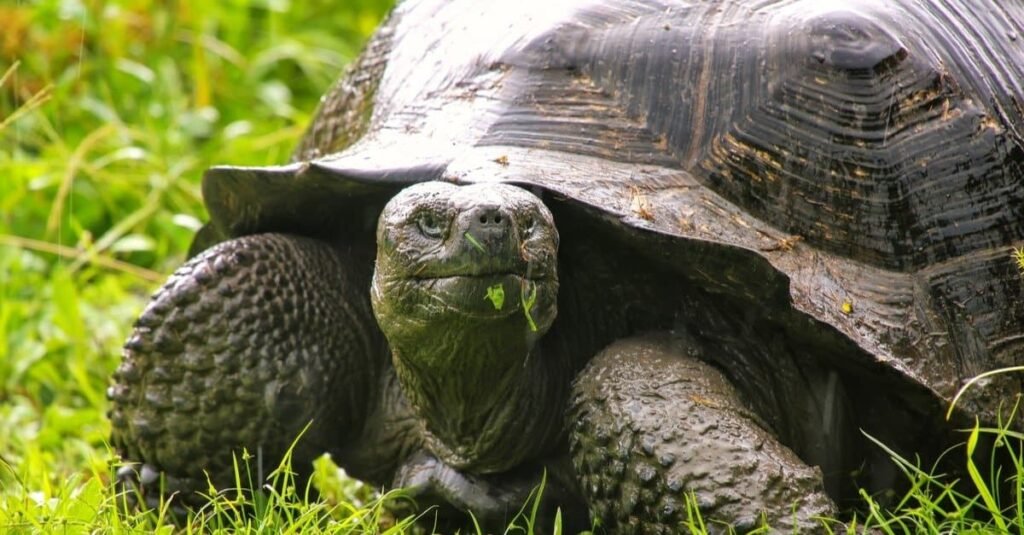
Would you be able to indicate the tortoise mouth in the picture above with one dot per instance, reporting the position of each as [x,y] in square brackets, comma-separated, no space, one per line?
[488,275]
[505,298]
[484,295]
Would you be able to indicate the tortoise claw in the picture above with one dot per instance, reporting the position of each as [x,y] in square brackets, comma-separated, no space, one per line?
[144,487]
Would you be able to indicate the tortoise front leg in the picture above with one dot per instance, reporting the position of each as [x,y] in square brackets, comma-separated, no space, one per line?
[653,425]
[244,346]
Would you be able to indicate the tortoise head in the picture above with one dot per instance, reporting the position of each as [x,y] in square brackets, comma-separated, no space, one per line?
[464,285]
[480,258]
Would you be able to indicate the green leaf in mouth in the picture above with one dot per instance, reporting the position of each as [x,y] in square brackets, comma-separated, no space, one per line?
[528,302]
[496,294]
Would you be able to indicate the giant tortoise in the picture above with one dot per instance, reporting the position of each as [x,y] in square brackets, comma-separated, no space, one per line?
[657,252]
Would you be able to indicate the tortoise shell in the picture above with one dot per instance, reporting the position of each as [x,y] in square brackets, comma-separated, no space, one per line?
[861,165]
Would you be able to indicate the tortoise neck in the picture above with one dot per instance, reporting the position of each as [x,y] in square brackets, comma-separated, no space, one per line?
[483,395]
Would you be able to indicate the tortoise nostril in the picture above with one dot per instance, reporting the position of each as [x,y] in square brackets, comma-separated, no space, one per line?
[490,217]
[488,224]
[495,218]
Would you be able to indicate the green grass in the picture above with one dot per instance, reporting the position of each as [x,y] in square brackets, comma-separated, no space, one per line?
[109,112]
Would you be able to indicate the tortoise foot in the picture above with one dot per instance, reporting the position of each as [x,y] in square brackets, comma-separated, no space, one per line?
[658,434]
[261,347]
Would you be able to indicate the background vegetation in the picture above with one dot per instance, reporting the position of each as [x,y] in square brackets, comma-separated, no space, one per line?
[109,112]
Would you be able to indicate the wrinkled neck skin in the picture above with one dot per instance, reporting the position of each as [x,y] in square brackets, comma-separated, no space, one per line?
[481,389]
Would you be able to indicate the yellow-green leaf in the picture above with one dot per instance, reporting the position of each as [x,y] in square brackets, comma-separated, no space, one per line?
[496,294]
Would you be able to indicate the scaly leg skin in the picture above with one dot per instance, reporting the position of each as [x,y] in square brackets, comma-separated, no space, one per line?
[653,425]
[242,348]
[449,496]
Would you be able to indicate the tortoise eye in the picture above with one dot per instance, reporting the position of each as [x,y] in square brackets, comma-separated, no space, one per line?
[429,225]
[529,226]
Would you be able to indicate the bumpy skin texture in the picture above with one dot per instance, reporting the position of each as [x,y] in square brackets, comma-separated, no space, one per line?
[243,347]
[653,424]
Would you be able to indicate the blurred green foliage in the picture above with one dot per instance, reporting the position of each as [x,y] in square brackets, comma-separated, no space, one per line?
[143,95]
[109,112]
